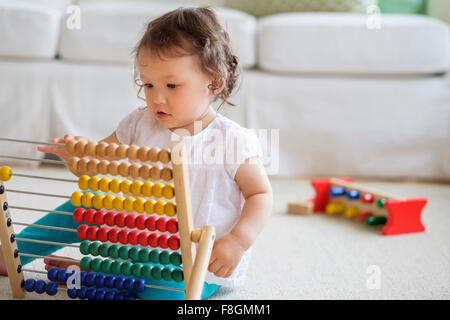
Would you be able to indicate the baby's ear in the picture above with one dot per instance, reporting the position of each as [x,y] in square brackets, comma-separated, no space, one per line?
[215,88]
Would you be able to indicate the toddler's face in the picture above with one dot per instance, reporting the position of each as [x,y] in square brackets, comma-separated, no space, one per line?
[176,88]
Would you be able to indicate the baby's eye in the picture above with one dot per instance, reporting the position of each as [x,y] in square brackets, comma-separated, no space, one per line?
[171,85]
[148,85]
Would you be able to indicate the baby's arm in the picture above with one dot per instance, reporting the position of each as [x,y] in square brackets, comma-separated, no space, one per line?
[255,187]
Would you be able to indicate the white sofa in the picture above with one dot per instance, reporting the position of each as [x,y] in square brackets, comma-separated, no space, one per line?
[342,98]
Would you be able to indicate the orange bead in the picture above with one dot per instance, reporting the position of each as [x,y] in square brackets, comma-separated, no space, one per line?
[142,153]
[164,156]
[152,154]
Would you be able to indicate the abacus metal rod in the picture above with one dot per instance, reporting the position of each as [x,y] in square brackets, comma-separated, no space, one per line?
[38,193]
[29,255]
[34,159]
[44,227]
[49,242]
[32,142]
[42,177]
[41,210]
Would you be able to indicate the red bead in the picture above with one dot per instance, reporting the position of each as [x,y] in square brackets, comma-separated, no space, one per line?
[161,224]
[120,219]
[110,218]
[163,241]
[82,231]
[172,225]
[174,242]
[130,221]
[78,215]
[123,236]
[367,198]
[151,223]
[89,216]
[103,234]
[153,240]
[92,233]
[140,221]
[113,235]
[133,237]
[100,217]
[143,238]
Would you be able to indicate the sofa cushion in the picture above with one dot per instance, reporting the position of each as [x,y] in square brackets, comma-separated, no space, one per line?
[110,30]
[343,43]
[29,29]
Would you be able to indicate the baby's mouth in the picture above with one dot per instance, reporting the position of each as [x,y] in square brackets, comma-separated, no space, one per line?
[162,115]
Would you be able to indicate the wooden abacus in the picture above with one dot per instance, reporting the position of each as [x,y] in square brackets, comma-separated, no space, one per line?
[336,196]
[177,235]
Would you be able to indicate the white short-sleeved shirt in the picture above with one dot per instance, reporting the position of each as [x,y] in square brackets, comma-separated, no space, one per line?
[215,154]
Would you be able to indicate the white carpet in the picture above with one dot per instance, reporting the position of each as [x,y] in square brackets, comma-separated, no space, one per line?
[310,257]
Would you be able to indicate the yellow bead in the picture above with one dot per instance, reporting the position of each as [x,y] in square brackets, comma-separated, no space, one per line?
[334,208]
[86,199]
[5,173]
[93,183]
[118,203]
[83,182]
[128,204]
[159,207]
[168,191]
[108,202]
[139,205]
[125,186]
[114,185]
[149,206]
[136,188]
[104,184]
[97,201]
[147,188]
[75,199]
[351,212]
[157,190]
[170,209]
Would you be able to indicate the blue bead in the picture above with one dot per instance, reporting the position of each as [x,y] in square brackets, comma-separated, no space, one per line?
[109,281]
[130,296]
[83,275]
[110,295]
[90,279]
[51,288]
[72,293]
[52,274]
[128,284]
[40,286]
[337,191]
[139,285]
[81,293]
[119,296]
[100,294]
[353,194]
[100,280]
[62,276]
[118,283]
[90,293]
[29,285]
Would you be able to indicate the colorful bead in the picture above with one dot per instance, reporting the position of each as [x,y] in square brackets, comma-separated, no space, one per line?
[82,231]
[75,199]
[102,234]
[170,209]
[373,221]
[146,271]
[118,203]
[134,254]
[159,207]
[367,198]
[351,212]
[174,242]
[90,279]
[78,215]
[116,267]
[126,268]
[166,273]
[139,285]
[85,263]
[381,202]
[172,225]
[110,295]
[90,293]
[52,274]
[81,293]
[136,269]
[161,224]
[157,190]
[149,206]
[108,202]
[164,257]
[100,217]
[128,204]
[29,285]
[362,216]
[103,250]
[92,233]
[125,186]
[114,185]
[144,254]
[177,275]
[93,248]
[353,194]
[89,216]
[154,255]
[175,258]
[110,218]
[100,280]
[151,223]
[136,187]
[119,283]
[337,191]
[84,248]
[163,241]
[143,238]
[124,252]
[133,237]
[107,265]
[120,219]
[157,272]
[83,182]
[51,288]
[109,281]
[104,184]
[96,265]
[146,188]
[334,208]
[93,183]
[168,191]
[130,221]
[113,235]
[139,205]
[72,293]
[128,284]
[123,236]
[153,240]
[141,221]
[97,201]
[114,251]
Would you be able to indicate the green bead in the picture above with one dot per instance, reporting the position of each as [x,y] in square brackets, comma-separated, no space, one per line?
[373,221]
[136,269]
[84,246]
[381,202]
[126,268]
[104,250]
[106,266]
[157,272]
[144,254]
[164,257]
[177,275]
[124,252]
[147,271]
[114,251]
[85,263]
[134,254]
[167,273]
[93,248]
[175,258]
[154,255]
[116,267]
[97,265]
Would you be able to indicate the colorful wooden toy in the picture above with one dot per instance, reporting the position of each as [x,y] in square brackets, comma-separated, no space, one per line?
[336,196]
[119,232]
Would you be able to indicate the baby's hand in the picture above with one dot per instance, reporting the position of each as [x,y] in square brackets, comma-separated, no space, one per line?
[226,255]
[60,151]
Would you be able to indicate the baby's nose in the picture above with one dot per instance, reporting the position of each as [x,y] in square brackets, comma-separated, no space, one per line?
[158,97]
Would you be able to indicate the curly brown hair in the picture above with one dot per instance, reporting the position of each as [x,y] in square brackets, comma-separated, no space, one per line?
[194,30]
